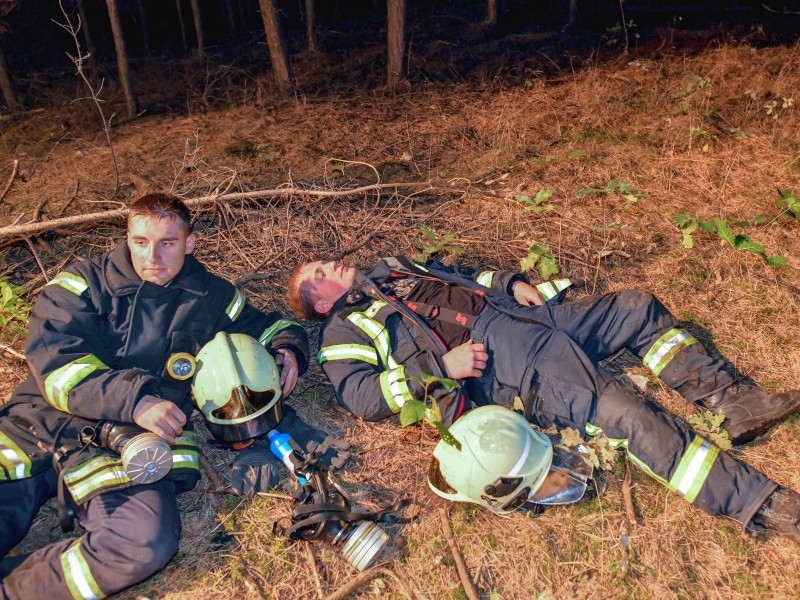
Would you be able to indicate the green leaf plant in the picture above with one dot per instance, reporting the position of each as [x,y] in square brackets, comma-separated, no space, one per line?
[789,205]
[13,310]
[433,244]
[615,186]
[536,204]
[688,223]
[540,258]
[427,410]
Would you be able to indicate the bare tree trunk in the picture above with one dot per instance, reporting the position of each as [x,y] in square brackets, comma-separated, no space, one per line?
[198,28]
[87,36]
[5,85]
[491,14]
[122,57]
[281,66]
[311,26]
[179,8]
[227,14]
[396,41]
[145,28]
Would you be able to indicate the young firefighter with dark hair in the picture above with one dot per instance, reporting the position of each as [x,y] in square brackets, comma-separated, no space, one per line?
[112,344]
[494,333]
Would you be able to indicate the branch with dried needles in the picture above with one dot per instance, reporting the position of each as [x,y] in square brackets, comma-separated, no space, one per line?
[356,582]
[463,572]
[10,180]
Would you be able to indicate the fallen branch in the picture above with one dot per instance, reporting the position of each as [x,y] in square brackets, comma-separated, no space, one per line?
[12,352]
[356,582]
[463,572]
[10,180]
[27,228]
[314,571]
[627,496]
[211,472]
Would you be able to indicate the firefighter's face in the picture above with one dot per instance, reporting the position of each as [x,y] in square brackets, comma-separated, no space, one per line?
[328,281]
[158,248]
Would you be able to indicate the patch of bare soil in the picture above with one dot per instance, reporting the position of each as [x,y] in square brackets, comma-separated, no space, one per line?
[712,135]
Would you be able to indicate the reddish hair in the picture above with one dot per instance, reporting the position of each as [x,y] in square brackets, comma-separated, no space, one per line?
[301,298]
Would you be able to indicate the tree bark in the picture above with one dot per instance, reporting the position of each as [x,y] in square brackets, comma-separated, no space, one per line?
[281,67]
[311,26]
[145,28]
[179,8]
[396,41]
[5,85]
[198,28]
[87,36]
[227,14]
[491,14]
[122,57]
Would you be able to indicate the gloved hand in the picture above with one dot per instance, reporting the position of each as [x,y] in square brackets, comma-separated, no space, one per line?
[331,450]
[256,469]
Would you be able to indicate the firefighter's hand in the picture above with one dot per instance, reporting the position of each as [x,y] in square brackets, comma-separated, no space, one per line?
[160,416]
[467,360]
[289,372]
[526,295]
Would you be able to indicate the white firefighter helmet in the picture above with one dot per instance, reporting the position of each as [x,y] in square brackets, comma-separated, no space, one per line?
[237,387]
[502,461]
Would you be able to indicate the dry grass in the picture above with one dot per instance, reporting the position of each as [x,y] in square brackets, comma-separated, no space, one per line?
[652,122]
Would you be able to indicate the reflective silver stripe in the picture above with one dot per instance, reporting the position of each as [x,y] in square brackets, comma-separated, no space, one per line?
[694,467]
[185,460]
[236,306]
[60,382]
[270,331]
[70,282]
[78,576]
[348,352]
[398,387]
[13,459]
[665,348]
[484,278]
[114,475]
[377,333]
[524,457]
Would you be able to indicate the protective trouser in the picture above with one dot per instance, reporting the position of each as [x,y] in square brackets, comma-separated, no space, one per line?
[638,321]
[560,384]
[130,535]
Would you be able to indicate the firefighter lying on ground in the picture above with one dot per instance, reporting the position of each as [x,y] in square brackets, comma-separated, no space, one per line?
[492,331]
[111,344]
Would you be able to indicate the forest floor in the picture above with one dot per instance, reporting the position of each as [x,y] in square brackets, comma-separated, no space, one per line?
[712,133]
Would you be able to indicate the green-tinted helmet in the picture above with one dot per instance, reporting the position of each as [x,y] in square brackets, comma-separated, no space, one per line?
[237,387]
[502,461]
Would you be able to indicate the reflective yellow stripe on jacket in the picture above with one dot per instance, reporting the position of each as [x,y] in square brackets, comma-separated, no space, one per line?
[60,382]
[77,574]
[70,282]
[665,349]
[269,333]
[14,463]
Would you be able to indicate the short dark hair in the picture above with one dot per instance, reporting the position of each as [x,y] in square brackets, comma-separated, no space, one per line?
[161,206]
[301,299]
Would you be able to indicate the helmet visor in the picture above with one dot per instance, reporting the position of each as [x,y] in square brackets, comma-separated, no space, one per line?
[243,404]
[566,482]
[437,480]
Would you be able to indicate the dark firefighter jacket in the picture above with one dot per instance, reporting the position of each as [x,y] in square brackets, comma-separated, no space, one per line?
[374,348]
[99,340]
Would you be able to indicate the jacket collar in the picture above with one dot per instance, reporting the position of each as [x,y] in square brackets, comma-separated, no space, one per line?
[121,278]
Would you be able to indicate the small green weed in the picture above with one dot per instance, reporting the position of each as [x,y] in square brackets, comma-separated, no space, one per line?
[244,148]
[540,258]
[14,310]
[414,410]
[688,223]
[435,244]
[788,204]
[615,186]
[775,107]
[535,204]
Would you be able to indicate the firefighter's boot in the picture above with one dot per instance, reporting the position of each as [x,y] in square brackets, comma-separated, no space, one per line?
[781,514]
[750,410]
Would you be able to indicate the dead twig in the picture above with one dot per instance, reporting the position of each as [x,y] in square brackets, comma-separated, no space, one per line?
[211,472]
[362,578]
[10,180]
[36,257]
[17,230]
[314,571]
[12,352]
[463,572]
[627,496]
